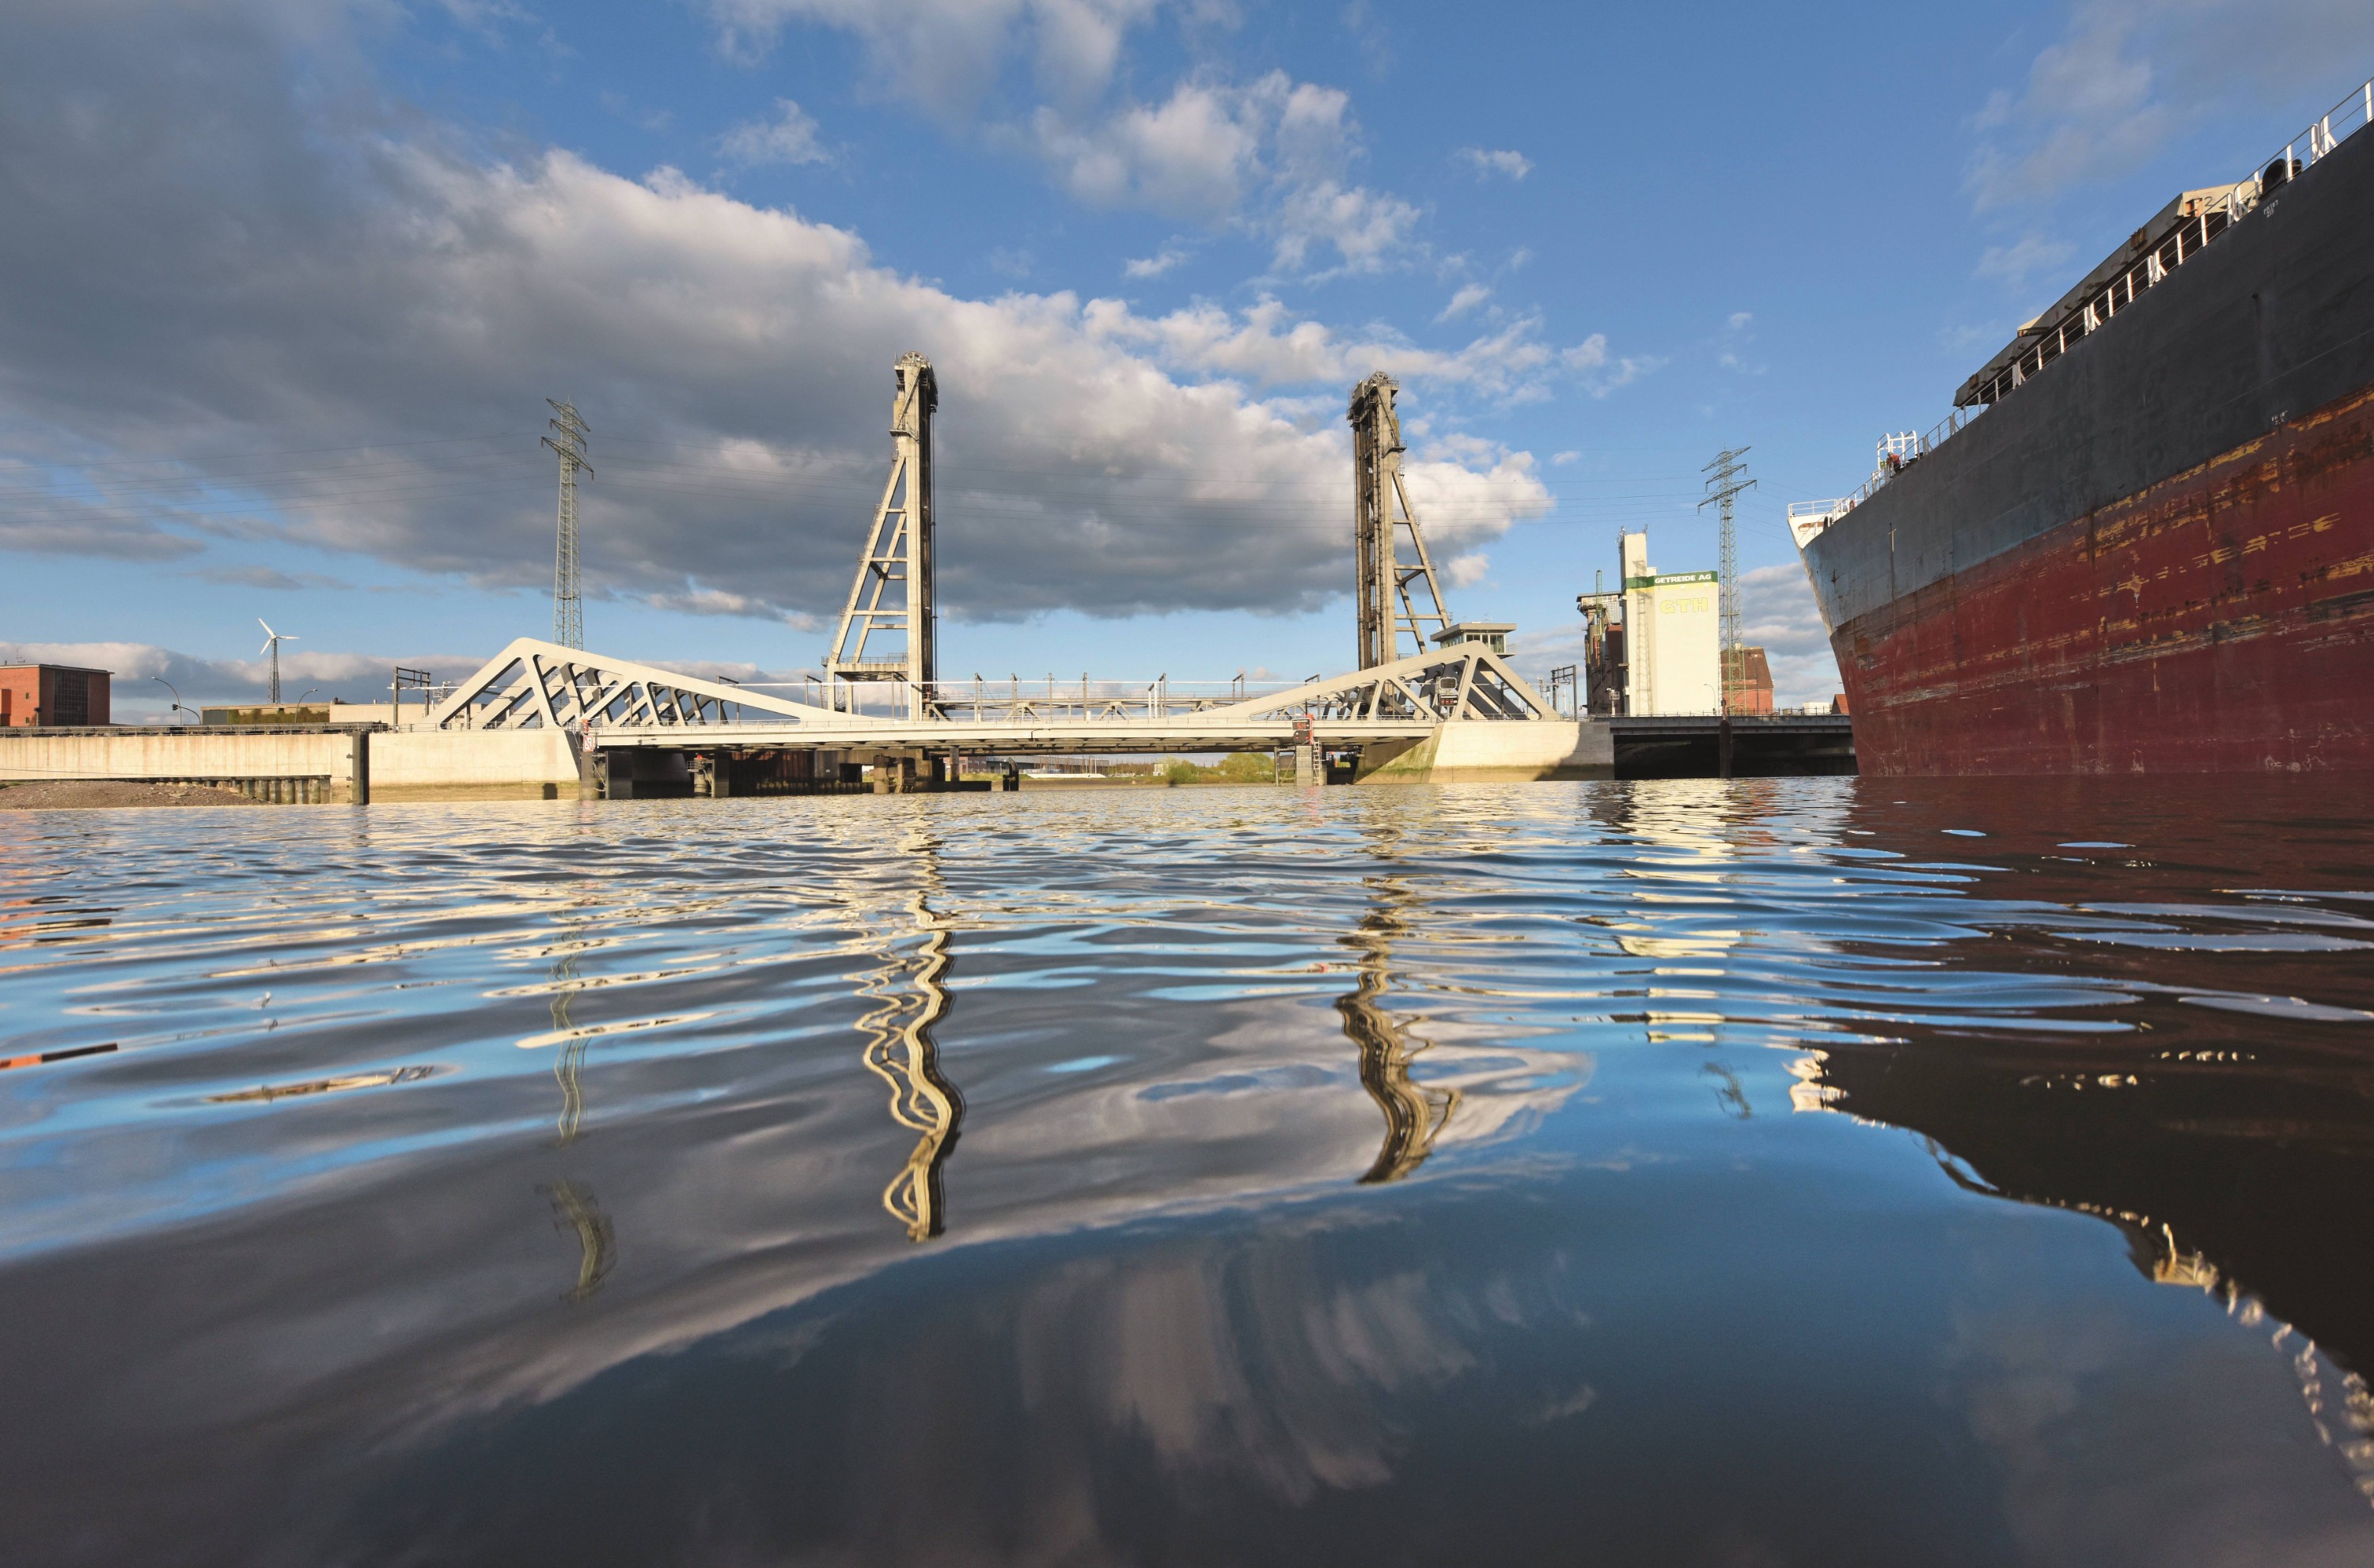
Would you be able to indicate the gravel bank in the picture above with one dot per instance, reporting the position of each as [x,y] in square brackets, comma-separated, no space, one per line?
[51,794]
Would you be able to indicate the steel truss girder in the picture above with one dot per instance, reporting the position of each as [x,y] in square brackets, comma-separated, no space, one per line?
[533,684]
[1467,681]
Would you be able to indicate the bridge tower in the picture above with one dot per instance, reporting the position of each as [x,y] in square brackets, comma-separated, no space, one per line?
[1380,512]
[898,553]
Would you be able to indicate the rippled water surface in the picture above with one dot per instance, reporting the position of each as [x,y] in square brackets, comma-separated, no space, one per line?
[1819,1171]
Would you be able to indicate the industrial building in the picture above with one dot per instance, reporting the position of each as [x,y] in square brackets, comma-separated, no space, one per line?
[1656,648]
[52,696]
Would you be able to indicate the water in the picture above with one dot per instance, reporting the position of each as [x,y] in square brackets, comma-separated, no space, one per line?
[1819,1171]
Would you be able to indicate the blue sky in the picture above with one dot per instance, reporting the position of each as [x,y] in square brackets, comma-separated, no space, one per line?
[289,281]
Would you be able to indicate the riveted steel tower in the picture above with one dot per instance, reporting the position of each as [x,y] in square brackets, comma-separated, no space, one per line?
[897,551]
[1380,511]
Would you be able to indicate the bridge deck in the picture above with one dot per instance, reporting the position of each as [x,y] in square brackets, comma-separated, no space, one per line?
[1113,736]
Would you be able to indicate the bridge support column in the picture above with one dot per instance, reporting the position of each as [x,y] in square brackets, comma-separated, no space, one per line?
[614,776]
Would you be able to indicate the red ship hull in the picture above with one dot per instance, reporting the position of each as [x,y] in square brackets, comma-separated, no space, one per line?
[2220,621]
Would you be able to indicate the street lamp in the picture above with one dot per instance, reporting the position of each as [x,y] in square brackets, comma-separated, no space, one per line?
[177,700]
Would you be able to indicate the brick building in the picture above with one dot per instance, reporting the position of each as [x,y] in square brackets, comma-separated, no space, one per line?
[1752,692]
[56,695]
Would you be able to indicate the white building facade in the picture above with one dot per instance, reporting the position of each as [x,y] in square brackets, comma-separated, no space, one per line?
[1672,637]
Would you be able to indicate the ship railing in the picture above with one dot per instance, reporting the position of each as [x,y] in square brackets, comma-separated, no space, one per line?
[2329,130]
[1807,519]
[1896,453]
[2323,134]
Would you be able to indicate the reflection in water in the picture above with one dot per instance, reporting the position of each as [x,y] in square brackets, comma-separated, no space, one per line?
[338,1085]
[571,1060]
[908,1001]
[1416,1114]
[1593,1289]
[2238,1172]
[1729,1094]
[573,1208]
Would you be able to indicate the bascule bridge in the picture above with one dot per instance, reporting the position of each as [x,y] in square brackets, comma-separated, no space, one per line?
[1405,710]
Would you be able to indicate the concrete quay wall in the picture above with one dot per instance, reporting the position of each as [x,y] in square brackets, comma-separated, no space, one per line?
[312,763]
[473,765]
[1501,750]
[330,764]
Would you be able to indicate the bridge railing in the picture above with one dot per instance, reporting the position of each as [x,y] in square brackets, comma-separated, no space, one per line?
[1013,700]
[1033,700]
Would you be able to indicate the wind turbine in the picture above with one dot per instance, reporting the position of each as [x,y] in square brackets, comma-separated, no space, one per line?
[271,641]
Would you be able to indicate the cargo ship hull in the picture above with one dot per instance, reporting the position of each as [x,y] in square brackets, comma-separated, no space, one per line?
[2221,621]
[2157,555]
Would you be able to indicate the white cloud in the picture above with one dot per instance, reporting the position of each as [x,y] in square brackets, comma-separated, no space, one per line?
[485,17]
[1268,345]
[1168,257]
[2127,76]
[1270,156]
[1365,227]
[943,54]
[790,137]
[733,362]
[270,578]
[1191,156]
[137,666]
[1466,571]
[1466,299]
[1562,459]
[1777,615]
[348,676]
[1734,342]
[44,517]
[1507,165]
[2016,262]
[1601,372]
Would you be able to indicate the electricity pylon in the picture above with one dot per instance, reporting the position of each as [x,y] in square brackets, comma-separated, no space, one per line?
[1380,510]
[568,597]
[1722,489]
[271,641]
[897,551]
